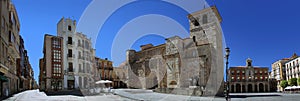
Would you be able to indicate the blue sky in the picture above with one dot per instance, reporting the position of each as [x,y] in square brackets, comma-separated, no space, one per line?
[264,30]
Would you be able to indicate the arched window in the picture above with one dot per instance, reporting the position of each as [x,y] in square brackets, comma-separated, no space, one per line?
[69,28]
[204,19]
[194,38]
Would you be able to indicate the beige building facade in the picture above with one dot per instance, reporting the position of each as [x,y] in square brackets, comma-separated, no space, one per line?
[15,69]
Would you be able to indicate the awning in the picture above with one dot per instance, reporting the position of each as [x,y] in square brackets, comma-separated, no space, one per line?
[103,81]
[3,78]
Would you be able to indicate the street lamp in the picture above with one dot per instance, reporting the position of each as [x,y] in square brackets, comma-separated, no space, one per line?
[227,50]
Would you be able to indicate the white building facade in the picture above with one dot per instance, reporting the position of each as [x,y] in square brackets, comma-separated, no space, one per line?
[78,58]
[292,68]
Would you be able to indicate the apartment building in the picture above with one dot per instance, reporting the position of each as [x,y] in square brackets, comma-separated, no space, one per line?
[51,65]
[14,62]
[75,59]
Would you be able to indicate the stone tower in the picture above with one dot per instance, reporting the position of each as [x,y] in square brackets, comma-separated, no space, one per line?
[206,32]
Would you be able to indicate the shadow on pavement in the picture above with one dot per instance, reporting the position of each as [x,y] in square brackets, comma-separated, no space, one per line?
[65,92]
[246,96]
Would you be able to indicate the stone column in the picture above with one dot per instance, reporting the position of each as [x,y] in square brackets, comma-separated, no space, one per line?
[264,87]
[65,81]
[76,81]
[268,87]
[241,88]
[257,88]
[246,86]
[234,88]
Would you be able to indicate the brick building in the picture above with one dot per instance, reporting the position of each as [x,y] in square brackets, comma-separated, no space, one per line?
[249,78]
[51,65]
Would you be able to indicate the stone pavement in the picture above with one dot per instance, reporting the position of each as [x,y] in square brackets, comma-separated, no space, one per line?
[149,95]
[35,95]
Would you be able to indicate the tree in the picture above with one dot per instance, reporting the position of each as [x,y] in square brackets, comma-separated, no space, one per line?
[292,81]
[298,81]
[283,84]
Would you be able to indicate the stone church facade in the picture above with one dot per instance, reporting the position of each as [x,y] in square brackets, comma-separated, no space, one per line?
[189,66]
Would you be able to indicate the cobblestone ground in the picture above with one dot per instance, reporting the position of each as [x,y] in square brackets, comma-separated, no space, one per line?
[148,95]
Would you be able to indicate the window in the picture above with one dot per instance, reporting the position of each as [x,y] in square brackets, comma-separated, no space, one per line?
[56,43]
[204,18]
[56,55]
[194,38]
[70,67]
[70,53]
[79,55]
[238,71]
[70,40]
[83,67]
[194,21]
[232,78]
[69,28]
[56,85]
[57,70]
[80,69]
[3,23]
[79,43]
[11,37]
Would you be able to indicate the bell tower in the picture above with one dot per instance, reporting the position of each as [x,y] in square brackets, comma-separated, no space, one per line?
[249,62]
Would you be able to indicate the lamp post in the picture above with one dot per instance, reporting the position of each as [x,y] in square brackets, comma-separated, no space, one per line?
[227,81]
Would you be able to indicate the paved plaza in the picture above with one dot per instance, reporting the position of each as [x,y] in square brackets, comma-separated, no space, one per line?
[148,95]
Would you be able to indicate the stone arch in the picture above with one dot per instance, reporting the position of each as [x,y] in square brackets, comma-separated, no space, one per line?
[173,83]
[266,88]
[261,87]
[250,88]
[232,88]
[238,88]
[243,89]
[256,88]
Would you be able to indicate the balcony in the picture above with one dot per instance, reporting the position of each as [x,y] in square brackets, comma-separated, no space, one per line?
[70,44]
[80,46]
[71,56]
